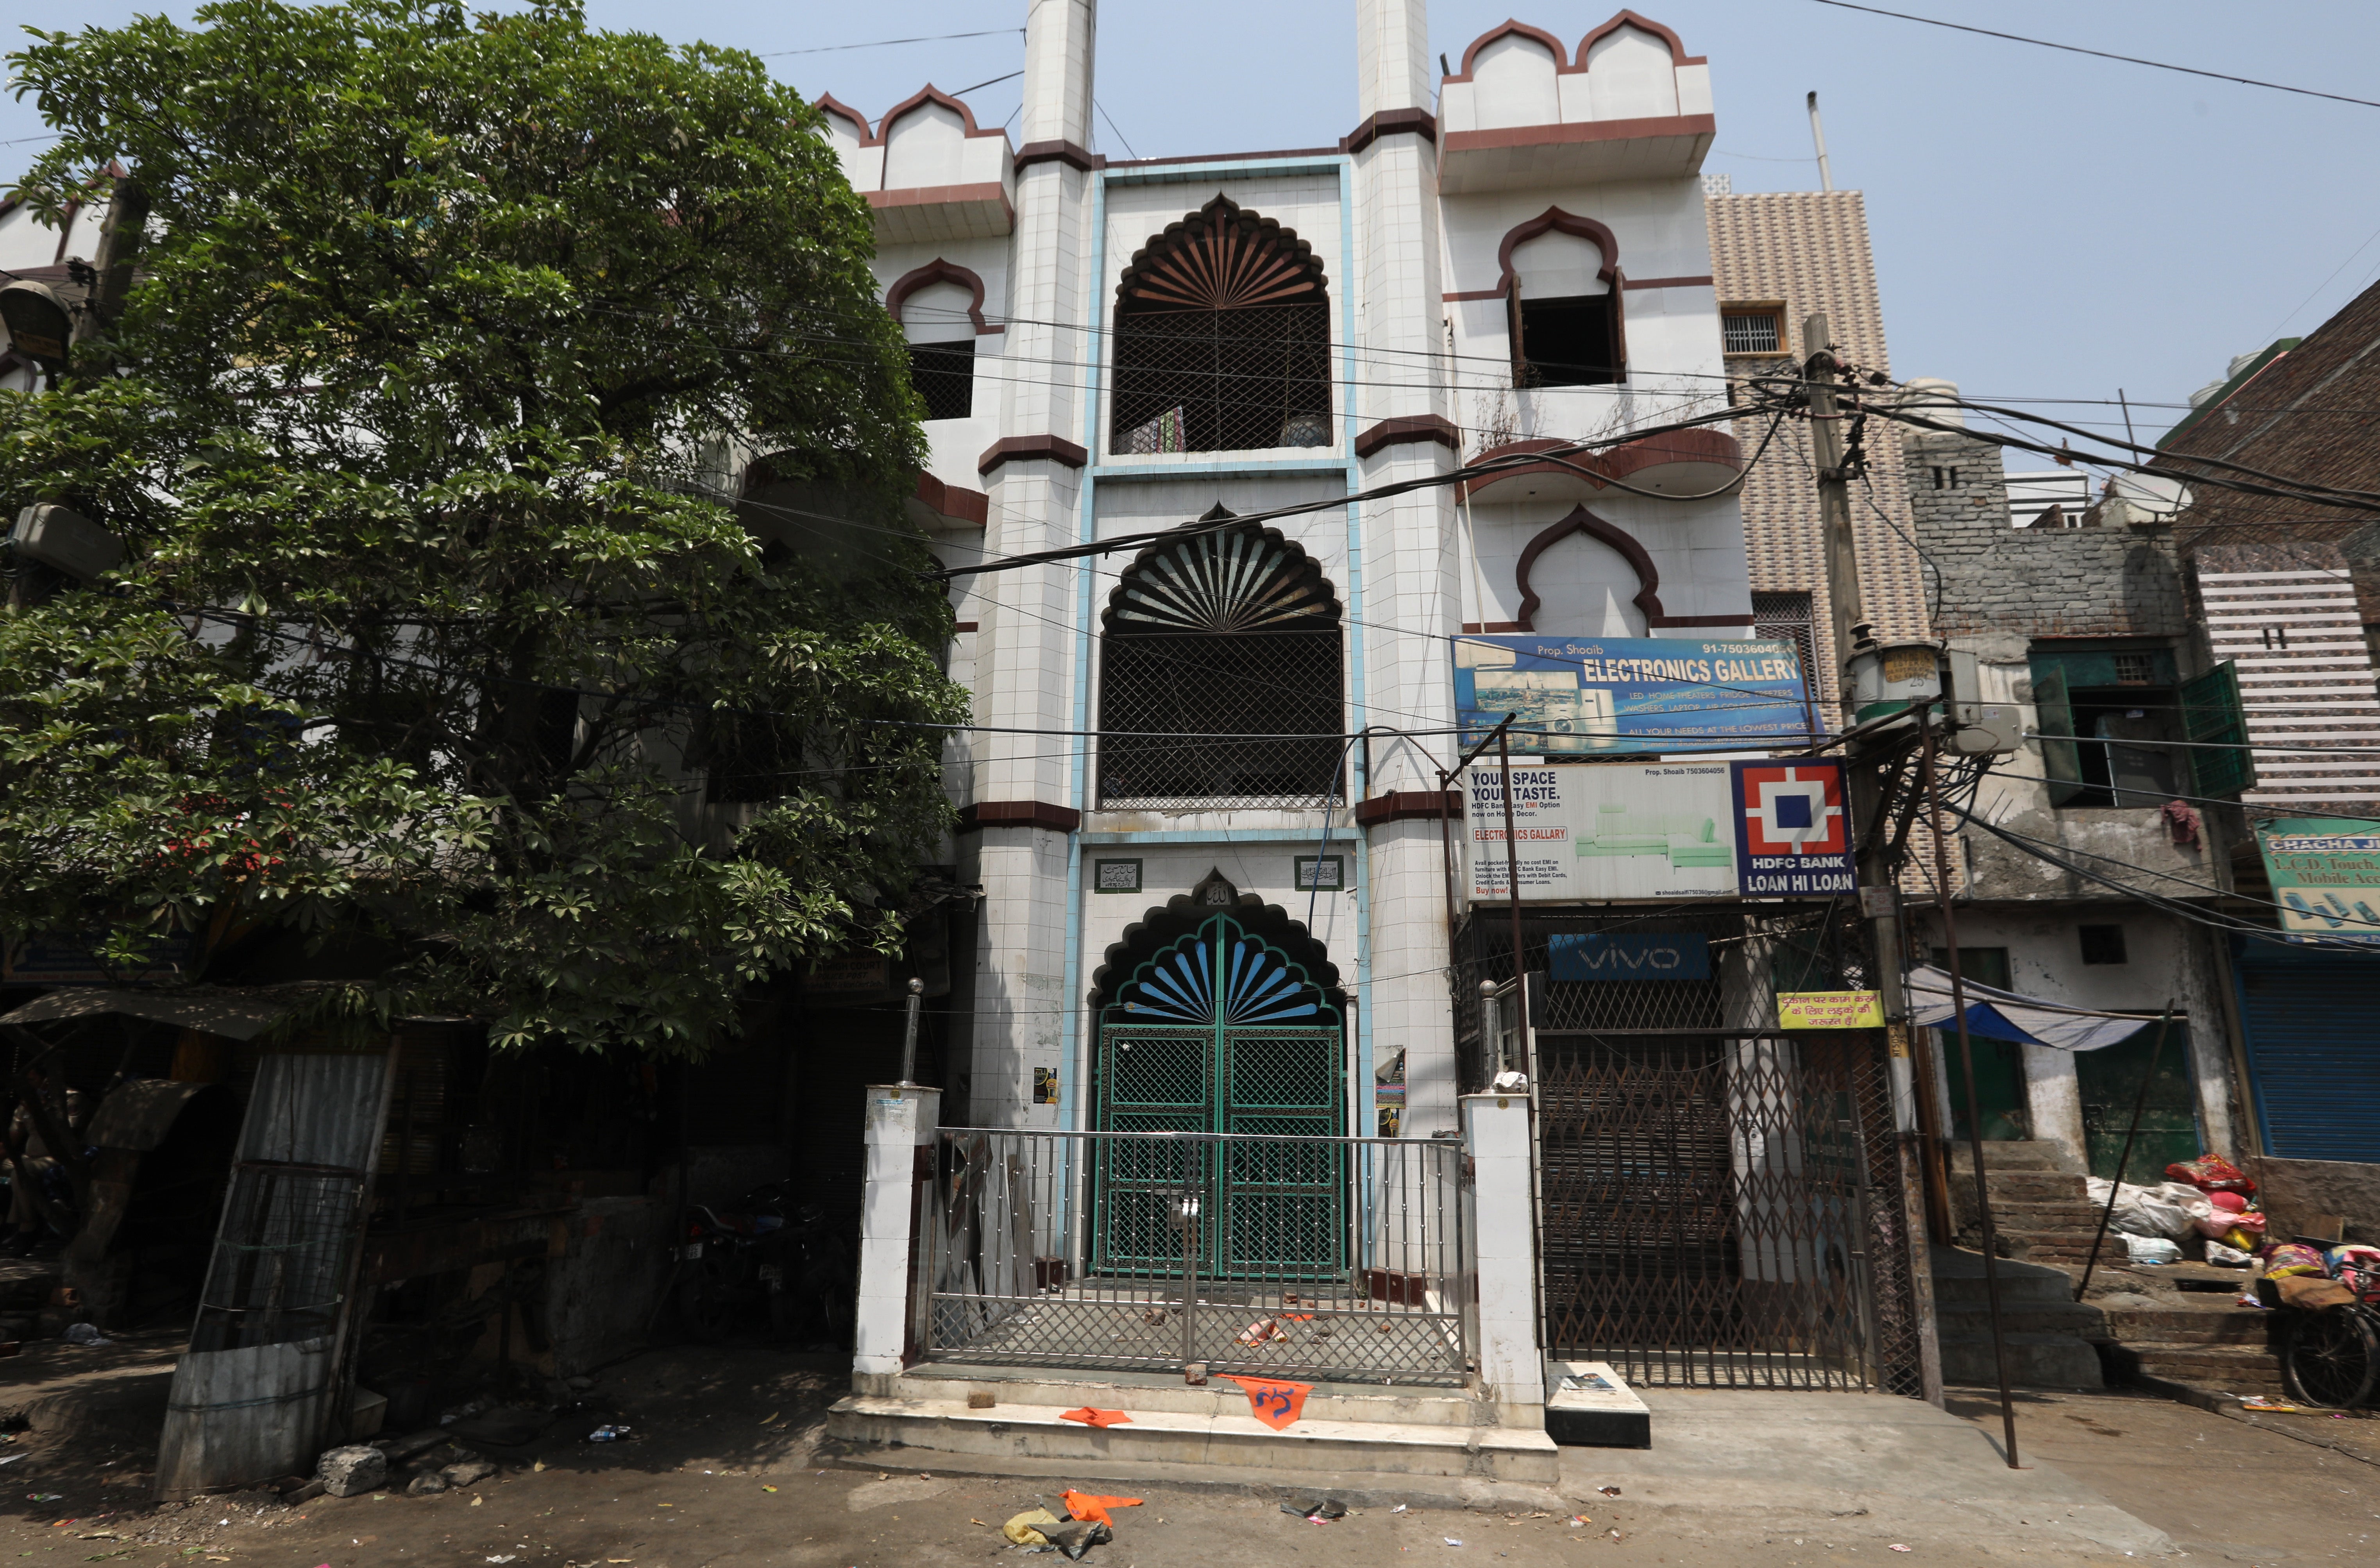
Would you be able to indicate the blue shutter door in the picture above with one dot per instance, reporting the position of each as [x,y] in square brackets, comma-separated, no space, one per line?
[2312,1022]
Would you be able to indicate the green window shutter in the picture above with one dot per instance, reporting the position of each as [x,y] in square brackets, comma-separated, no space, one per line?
[2061,759]
[2211,715]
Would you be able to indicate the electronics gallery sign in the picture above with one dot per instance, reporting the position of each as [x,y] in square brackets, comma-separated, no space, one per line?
[1585,832]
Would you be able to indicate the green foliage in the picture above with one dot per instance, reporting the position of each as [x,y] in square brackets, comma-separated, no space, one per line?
[453,333]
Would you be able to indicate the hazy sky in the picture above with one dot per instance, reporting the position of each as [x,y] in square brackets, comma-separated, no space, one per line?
[2046,225]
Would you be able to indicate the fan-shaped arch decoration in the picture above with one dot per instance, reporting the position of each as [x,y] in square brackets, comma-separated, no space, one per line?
[1221,258]
[1222,583]
[1221,975]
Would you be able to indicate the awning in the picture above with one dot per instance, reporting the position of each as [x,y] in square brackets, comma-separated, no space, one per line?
[2003,1015]
[235,1012]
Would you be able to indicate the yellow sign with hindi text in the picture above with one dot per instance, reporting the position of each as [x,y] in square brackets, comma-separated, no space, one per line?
[1830,1010]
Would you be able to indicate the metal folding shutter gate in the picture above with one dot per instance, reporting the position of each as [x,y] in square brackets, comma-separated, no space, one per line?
[2312,1022]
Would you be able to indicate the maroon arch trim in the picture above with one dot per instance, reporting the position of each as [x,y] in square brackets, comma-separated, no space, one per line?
[1678,55]
[1562,54]
[1553,220]
[927,93]
[940,271]
[827,102]
[1648,577]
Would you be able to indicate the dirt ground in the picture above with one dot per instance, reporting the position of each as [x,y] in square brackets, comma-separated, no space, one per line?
[725,1468]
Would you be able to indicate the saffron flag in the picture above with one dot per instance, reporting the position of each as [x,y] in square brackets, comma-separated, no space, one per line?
[1091,1417]
[1094,1509]
[1275,1402]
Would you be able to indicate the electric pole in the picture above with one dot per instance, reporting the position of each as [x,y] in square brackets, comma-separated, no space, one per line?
[1879,900]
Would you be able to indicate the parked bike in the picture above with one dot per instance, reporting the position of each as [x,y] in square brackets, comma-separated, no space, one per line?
[768,1262]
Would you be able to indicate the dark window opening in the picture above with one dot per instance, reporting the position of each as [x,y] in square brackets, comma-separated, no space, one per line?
[749,758]
[944,376]
[1945,478]
[2102,944]
[1209,638]
[2118,754]
[1222,340]
[1747,330]
[1571,342]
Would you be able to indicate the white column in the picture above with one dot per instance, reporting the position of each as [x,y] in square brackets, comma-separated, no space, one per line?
[1060,47]
[901,1120]
[1504,1221]
[1410,598]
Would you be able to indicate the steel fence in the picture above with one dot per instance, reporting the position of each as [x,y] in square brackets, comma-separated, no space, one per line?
[1321,1259]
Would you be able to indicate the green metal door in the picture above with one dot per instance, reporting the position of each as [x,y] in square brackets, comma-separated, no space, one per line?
[2109,1079]
[1220,1032]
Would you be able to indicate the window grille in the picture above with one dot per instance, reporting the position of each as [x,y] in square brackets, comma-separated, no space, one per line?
[1223,634]
[1750,332]
[944,376]
[2135,669]
[1222,339]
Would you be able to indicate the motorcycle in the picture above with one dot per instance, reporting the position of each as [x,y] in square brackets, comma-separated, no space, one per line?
[765,1261]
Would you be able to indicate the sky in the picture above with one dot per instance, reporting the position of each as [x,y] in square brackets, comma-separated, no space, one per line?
[2048,226]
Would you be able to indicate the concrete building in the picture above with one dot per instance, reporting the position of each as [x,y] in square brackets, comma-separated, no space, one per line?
[1511,256]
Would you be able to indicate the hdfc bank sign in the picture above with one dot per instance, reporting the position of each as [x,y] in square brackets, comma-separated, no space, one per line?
[1792,834]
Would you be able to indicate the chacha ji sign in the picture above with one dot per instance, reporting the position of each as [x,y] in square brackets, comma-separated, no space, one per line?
[1793,830]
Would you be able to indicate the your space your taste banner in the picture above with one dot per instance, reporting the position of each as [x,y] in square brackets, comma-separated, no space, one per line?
[1583,697]
[1585,832]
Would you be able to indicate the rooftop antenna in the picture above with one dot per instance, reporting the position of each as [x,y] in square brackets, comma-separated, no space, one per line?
[1818,134]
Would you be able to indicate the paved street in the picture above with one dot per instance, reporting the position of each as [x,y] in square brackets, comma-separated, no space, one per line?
[1787,1480]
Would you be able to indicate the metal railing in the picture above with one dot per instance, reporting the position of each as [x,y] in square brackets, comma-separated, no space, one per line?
[1319,1259]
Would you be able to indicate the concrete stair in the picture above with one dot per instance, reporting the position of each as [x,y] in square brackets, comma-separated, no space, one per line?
[2215,1348]
[2041,1212]
[1344,1429]
[2051,1338]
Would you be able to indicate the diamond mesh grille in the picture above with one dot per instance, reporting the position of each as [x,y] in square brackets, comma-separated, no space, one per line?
[1157,685]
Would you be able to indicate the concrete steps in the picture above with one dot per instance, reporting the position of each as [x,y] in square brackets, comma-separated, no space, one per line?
[2051,1338]
[1344,1429]
[2220,1348]
[2041,1213]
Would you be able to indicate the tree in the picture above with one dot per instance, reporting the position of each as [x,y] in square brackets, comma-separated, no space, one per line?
[421,426]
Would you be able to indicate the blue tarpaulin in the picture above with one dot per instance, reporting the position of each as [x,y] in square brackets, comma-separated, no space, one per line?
[1993,1013]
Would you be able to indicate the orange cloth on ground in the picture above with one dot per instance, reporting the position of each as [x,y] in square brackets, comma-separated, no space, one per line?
[1096,1508]
[1275,1402]
[1091,1417]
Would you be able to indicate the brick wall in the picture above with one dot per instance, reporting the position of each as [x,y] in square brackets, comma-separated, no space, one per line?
[2030,582]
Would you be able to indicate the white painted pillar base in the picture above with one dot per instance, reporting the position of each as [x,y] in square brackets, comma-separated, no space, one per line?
[1504,1231]
[902,1118]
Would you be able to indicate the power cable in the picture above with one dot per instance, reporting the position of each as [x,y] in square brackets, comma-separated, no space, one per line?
[2104,54]
[888,42]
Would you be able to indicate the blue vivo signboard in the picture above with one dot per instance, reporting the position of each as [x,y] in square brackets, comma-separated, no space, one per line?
[1628,955]
[1605,695]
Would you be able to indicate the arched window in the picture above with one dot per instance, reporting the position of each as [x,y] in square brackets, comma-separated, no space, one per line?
[1227,633]
[1222,338]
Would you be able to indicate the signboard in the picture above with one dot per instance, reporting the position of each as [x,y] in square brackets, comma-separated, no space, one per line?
[1591,832]
[1586,697]
[1830,1010]
[1793,835]
[1628,955]
[2326,876]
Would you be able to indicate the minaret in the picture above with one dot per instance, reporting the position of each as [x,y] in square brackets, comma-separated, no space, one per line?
[1410,574]
[1023,783]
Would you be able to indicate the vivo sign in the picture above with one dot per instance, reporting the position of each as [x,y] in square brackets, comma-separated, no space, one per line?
[1596,955]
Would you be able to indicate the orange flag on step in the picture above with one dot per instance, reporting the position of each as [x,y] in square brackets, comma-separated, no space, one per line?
[1091,1417]
[1276,1402]
[1096,1508]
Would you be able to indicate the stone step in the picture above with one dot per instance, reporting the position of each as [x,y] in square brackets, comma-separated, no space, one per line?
[2038,1214]
[1014,1387]
[1959,1278]
[2022,1317]
[2227,1326]
[2034,1360]
[1496,1453]
[2013,1155]
[2025,1186]
[2212,1368]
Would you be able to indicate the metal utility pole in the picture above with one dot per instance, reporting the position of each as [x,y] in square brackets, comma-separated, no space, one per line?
[1967,1070]
[119,248]
[909,1032]
[1913,1074]
[1818,139]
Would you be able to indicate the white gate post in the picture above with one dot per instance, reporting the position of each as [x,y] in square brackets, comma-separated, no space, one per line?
[1504,1243]
[901,1119]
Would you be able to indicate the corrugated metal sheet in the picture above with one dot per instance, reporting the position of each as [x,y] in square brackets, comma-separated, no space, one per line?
[2312,1022]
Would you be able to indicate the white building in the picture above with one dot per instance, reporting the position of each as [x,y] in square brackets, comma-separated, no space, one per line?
[1515,253]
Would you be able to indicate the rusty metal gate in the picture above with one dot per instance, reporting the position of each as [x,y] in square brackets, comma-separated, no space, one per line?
[1718,1207]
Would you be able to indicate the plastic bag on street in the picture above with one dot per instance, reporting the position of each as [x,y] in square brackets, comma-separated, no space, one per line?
[2152,1249]
[2140,1212]
[2224,1257]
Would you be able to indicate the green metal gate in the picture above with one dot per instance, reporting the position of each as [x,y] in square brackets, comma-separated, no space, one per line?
[1220,1032]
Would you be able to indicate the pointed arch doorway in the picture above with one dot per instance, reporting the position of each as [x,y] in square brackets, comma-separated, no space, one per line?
[1219,1014]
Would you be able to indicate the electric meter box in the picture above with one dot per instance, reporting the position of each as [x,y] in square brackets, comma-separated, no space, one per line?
[1977,728]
